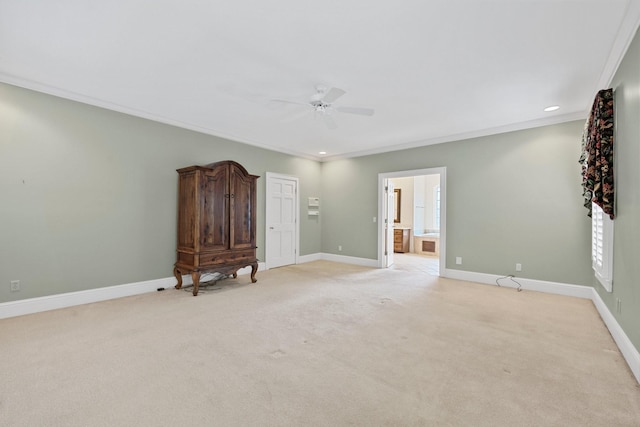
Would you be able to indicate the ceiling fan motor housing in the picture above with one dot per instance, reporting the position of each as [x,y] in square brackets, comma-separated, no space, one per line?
[320,106]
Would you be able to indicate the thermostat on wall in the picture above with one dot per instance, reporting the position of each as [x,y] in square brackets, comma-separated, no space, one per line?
[314,201]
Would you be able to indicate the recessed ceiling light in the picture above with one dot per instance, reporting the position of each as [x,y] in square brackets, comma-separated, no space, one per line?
[552,108]
[322,152]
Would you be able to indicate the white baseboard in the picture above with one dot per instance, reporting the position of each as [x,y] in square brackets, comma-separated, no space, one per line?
[309,258]
[247,270]
[53,302]
[365,262]
[528,284]
[630,353]
[69,299]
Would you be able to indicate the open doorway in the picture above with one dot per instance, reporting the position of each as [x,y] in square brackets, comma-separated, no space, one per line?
[413,218]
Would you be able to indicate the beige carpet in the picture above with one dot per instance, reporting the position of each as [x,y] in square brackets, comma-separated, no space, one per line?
[319,344]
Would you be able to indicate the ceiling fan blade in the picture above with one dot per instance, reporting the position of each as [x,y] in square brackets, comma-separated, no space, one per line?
[329,122]
[296,116]
[333,94]
[274,103]
[356,110]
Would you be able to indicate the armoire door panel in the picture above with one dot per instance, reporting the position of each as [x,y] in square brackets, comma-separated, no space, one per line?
[242,227]
[215,210]
[186,207]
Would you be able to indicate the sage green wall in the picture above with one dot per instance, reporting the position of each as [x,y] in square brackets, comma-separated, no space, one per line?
[626,241]
[511,198]
[89,195]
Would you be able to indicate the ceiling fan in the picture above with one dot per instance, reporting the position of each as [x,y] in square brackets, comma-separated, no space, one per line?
[321,104]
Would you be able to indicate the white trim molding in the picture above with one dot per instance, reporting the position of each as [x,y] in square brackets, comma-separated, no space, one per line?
[628,350]
[365,262]
[53,302]
[309,258]
[269,241]
[528,284]
[382,177]
[70,299]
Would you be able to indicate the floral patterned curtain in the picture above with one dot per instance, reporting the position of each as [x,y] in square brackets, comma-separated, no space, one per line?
[597,154]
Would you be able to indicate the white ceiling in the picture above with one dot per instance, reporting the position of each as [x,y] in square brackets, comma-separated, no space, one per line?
[434,71]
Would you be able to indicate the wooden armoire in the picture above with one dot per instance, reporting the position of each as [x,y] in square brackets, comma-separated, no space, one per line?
[216,221]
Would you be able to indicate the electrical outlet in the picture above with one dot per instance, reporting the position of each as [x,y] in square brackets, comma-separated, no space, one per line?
[340,248]
[15,285]
[459,260]
[518,267]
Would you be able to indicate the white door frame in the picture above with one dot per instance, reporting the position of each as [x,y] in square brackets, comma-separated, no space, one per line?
[270,176]
[442,171]
[388,221]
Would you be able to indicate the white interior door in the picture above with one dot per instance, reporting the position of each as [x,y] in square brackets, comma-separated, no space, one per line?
[390,213]
[281,220]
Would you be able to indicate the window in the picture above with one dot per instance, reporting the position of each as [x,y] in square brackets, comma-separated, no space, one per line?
[436,207]
[602,246]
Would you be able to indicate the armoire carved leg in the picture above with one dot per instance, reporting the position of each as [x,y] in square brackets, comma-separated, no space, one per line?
[195,276]
[254,269]
[178,275]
